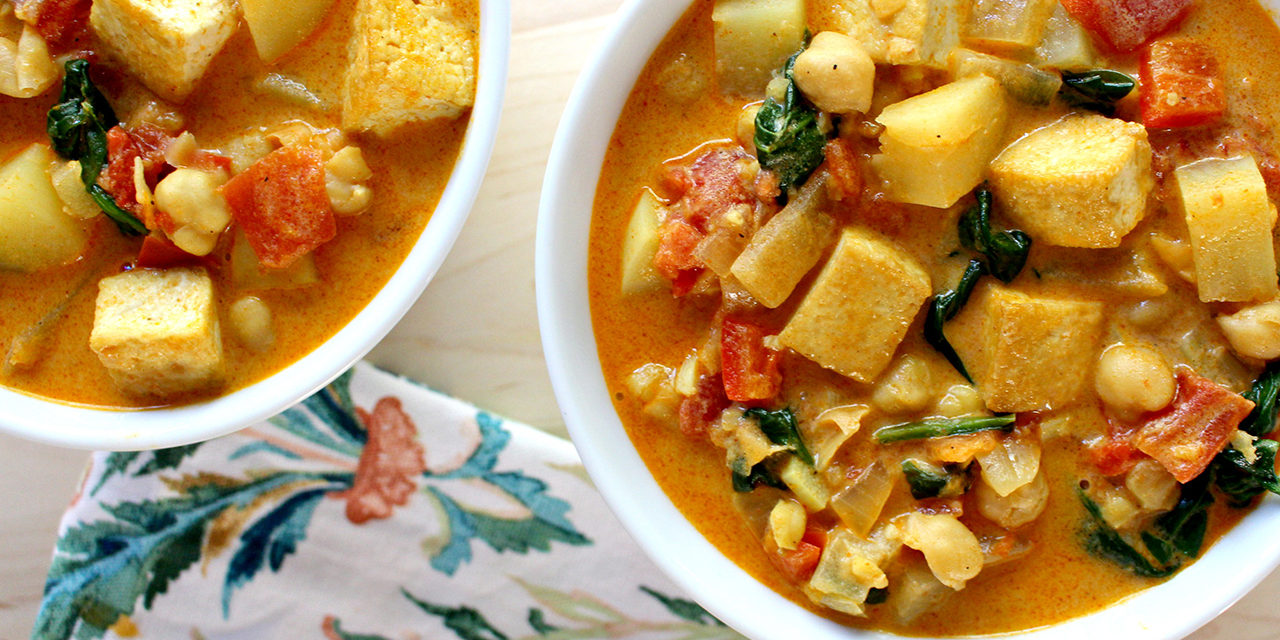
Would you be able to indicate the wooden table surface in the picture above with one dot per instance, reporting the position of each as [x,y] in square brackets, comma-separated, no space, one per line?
[474,333]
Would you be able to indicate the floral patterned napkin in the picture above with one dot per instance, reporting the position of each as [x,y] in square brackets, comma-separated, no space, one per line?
[375,509]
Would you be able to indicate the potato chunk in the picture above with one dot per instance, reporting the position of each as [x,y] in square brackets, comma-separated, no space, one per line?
[156,331]
[859,308]
[752,39]
[166,45]
[1230,219]
[1082,181]
[640,245]
[936,146]
[1026,353]
[278,26]
[35,233]
[787,247]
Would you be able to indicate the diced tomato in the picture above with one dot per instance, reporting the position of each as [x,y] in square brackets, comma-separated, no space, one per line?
[750,370]
[798,564]
[282,205]
[1195,427]
[62,23]
[699,410]
[846,177]
[768,188]
[674,259]
[210,161]
[158,252]
[1126,25]
[716,183]
[1114,456]
[1181,85]
[123,146]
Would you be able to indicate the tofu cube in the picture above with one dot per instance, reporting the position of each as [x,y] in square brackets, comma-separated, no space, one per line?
[1229,219]
[936,146]
[860,306]
[167,45]
[1026,353]
[754,38]
[1082,181]
[156,331]
[409,61]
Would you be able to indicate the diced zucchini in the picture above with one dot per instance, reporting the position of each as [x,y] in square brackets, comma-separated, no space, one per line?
[1230,219]
[936,146]
[787,247]
[248,274]
[278,26]
[1066,45]
[805,483]
[35,232]
[640,245]
[1023,82]
[753,38]
[1012,27]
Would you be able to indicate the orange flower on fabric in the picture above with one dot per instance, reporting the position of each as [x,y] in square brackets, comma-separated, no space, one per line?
[391,459]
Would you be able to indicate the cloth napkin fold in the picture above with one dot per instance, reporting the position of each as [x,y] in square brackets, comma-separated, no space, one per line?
[375,509]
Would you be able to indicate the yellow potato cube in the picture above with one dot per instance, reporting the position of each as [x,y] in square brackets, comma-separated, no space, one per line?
[753,38]
[1026,353]
[860,306]
[640,245]
[786,248]
[35,232]
[1082,181]
[278,26]
[936,146]
[156,331]
[1229,219]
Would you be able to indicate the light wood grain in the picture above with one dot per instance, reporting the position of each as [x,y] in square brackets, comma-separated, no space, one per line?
[473,334]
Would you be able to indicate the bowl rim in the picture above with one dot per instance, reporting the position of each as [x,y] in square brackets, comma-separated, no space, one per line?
[84,427]
[1240,559]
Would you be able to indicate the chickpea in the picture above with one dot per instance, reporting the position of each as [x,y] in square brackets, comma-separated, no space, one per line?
[906,388]
[251,322]
[1133,380]
[1254,332]
[1020,507]
[836,74]
[1155,488]
[961,400]
[191,198]
[345,174]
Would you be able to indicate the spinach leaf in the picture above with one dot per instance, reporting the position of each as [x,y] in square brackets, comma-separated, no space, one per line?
[1097,90]
[877,595]
[943,307]
[1181,530]
[928,480]
[746,480]
[1239,481]
[1005,251]
[77,127]
[1105,542]
[1262,420]
[941,428]
[788,140]
[781,429]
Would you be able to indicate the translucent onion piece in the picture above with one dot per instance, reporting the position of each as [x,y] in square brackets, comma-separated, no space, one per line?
[1011,464]
[1020,507]
[850,567]
[950,548]
[831,429]
[915,592]
[756,506]
[997,550]
[860,502]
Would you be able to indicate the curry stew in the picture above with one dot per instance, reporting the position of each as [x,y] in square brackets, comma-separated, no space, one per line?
[196,194]
[945,316]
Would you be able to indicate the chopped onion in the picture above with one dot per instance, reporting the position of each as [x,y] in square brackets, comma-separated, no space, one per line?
[1011,464]
[860,502]
[831,429]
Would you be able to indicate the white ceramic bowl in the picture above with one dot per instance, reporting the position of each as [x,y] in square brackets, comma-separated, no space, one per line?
[89,428]
[1224,573]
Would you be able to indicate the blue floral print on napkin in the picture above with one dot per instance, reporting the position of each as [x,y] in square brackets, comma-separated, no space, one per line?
[374,509]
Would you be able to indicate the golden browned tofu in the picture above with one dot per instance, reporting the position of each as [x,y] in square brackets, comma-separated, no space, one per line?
[1080,182]
[167,45]
[936,146]
[1229,219]
[860,306]
[1026,353]
[410,61]
[156,331]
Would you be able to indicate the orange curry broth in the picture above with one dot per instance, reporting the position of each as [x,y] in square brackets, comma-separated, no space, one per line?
[410,171]
[1058,579]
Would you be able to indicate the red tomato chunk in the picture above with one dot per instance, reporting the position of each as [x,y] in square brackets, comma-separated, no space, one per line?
[147,142]
[1186,436]
[281,204]
[1181,85]
[1126,25]
[750,369]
